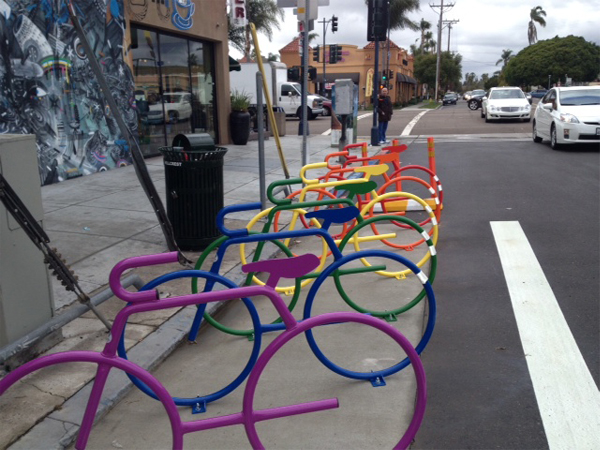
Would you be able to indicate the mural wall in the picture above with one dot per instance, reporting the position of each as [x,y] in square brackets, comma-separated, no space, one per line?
[47,87]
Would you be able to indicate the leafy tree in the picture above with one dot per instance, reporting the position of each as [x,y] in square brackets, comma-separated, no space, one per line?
[492,82]
[471,81]
[571,55]
[536,14]
[430,44]
[507,55]
[450,69]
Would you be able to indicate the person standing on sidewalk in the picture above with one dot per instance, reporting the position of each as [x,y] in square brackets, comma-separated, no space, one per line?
[385,110]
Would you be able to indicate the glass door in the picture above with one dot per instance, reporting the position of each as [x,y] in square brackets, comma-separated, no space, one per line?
[203,88]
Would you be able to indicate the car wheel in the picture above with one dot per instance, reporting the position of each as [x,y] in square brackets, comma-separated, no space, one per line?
[473,105]
[482,116]
[553,138]
[326,112]
[536,138]
[527,120]
[173,116]
[486,118]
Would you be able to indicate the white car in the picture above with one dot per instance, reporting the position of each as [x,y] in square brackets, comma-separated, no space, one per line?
[506,103]
[178,106]
[568,115]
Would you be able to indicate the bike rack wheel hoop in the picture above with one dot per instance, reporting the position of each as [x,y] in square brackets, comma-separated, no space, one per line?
[433,232]
[376,376]
[325,319]
[199,403]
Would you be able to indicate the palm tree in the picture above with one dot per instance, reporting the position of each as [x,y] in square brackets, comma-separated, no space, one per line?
[428,42]
[423,27]
[265,15]
[506,56]
[536,14]
[398,14]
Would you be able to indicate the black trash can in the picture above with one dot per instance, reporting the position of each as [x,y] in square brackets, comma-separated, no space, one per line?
[194,185]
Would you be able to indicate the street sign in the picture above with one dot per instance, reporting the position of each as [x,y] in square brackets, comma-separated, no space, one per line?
[314,9]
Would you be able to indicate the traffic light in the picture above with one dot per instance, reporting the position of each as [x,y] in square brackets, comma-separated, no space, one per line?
[293,74]
[391,74]
[335,53]
[316,54]
[377,20]
[384,75]
[312,73]
[334,24]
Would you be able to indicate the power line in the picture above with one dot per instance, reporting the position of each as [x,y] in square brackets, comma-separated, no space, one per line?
[443,8]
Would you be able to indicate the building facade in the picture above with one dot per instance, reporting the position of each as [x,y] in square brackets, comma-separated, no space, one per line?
[166,62]
[357,64]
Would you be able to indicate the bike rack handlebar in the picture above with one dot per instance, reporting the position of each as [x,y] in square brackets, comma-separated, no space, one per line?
[114,279]
[232,209]
[308,167]
[275,184]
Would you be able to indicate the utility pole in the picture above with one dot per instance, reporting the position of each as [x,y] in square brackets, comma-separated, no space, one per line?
[443,8]
[450,23]
[325,23]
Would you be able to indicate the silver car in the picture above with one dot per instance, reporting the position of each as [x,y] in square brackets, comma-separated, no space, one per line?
[568,115]
[506,103]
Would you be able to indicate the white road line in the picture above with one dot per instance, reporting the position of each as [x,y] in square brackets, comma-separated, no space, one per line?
[567,397]
[328,132]
[412,123]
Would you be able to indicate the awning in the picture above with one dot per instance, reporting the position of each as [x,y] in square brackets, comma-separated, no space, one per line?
[405,79]
[234,65]
[331,77]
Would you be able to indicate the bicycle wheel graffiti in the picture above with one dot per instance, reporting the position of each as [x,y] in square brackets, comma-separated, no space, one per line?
[47,88]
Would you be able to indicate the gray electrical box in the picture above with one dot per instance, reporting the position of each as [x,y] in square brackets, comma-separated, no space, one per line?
[344,97]
[25,289]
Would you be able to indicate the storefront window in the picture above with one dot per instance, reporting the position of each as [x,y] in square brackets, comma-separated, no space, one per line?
[147,91]
[203,117]
[174,88]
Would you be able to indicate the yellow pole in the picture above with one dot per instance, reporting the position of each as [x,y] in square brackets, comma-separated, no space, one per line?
[268,101]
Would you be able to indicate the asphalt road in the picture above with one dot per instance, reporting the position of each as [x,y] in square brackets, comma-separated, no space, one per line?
[449,119]
[481,388]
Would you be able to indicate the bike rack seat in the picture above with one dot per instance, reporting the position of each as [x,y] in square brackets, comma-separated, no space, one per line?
[337,215]
[372,170]
[396,148]
[295,267]
[357,189]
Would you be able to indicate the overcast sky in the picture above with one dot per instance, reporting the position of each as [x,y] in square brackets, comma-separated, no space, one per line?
[484,29]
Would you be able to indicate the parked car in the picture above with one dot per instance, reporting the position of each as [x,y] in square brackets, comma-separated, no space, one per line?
[450,99]
[178,106]
[327,108]
[506,103]
[474,102]
[568,115]
[467,95]
[538,93]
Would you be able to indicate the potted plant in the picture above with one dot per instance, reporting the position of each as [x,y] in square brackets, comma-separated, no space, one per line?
[239,119]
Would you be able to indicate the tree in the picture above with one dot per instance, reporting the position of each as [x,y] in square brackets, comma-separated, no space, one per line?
[507,55]
[571,55]
[430,43]
[265,15]
[536,14]
[450,69]
[398,14]
[424,26]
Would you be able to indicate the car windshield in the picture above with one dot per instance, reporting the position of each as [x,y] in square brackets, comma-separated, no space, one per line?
[506,93]
[171,98]
[580,97]
[478,92]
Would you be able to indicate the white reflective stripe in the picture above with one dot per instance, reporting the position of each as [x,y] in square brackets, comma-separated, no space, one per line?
[428,209]
[425,235]
[422,277]
[435,177]
[434,221]
[437,200]
[440,188]
[432,250]
[432,190]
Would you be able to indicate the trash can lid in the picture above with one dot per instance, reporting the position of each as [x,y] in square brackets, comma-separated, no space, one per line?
[194,142]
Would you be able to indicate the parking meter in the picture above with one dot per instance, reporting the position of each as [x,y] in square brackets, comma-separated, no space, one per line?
[344,105]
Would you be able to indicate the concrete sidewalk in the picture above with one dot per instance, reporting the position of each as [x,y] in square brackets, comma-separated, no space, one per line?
[96,221]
